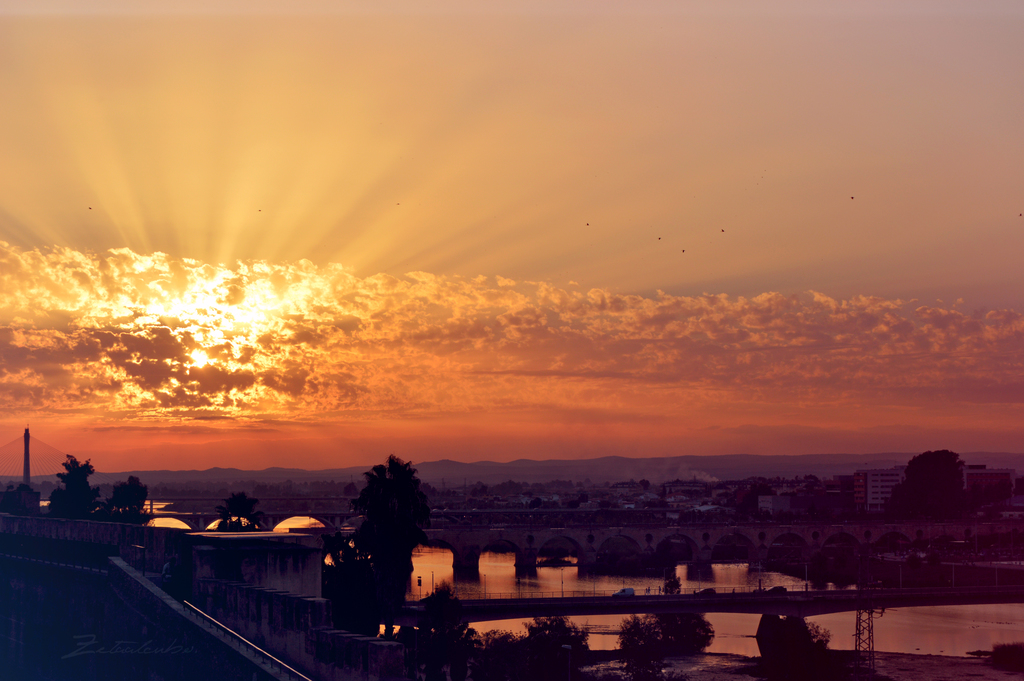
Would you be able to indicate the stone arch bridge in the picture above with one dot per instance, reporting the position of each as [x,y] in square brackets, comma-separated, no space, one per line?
[698,542]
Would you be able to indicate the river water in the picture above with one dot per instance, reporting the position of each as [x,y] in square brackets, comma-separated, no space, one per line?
[941,630]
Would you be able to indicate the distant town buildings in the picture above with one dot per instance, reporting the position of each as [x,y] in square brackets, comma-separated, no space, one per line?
[979,477]
[873,487]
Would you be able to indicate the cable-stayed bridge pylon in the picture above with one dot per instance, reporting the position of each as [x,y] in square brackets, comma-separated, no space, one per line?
[26,457]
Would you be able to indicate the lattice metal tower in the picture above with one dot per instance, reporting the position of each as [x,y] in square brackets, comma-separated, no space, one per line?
[864,634]
[864,638]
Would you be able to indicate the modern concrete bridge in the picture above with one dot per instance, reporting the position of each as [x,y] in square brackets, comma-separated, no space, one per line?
[791,603]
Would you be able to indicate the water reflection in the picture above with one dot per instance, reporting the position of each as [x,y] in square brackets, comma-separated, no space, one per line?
[497,577]
[946,630]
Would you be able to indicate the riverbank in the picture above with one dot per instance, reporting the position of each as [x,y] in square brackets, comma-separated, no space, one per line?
[888,666]
[904,667]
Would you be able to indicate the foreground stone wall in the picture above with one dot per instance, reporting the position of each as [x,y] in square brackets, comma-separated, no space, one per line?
[299,629]
[281,562]
[65,623]
[159,543]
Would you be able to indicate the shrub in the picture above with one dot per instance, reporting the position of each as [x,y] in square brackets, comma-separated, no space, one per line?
[1008,656]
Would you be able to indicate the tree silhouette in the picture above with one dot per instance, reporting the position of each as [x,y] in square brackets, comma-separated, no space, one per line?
[126,503]
[672,584]
[239,514]
[685,633]
[396,511]
[348,584]
[545,638]
[537,656]
[641,646]
[501,657]
[933,487]
[76,499]
[444,639]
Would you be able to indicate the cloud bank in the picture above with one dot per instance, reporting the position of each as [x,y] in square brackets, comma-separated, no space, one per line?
[144,337]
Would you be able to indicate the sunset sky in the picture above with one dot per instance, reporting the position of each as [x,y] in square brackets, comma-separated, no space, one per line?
[237,235]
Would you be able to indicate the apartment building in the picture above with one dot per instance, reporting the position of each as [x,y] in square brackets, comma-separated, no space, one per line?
[873,487]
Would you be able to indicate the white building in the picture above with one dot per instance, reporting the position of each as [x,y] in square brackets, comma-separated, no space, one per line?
[873,487]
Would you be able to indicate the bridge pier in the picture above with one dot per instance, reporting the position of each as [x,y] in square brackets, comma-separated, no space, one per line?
[527,559]
[467,560]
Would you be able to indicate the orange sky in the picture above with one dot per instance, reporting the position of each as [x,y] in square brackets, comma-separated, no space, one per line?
[242,237]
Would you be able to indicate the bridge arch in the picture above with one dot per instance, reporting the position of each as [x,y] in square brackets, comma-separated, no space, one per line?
[619,551]
[788,546]
[841,540]
[560,550]
[434,555]
[173,523]
[892,541]
[734,546]
[302,522]
[437,543]
[500,546]
[619,544]
[678,547]
[503,546]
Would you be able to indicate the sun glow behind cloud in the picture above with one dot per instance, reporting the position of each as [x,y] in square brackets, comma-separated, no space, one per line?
[547,144]
[145,338]
[179,186]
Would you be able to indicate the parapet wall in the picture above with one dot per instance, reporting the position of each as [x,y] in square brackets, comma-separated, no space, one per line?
[160,542]
[300,630]
[269,560]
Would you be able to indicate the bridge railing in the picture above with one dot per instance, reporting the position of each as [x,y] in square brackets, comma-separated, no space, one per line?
[747,592]
[606,593]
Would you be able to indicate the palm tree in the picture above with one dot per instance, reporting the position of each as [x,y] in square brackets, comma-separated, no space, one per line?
[239,514]
[396,511]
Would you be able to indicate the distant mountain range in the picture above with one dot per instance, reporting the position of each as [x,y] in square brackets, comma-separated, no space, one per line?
[449,473]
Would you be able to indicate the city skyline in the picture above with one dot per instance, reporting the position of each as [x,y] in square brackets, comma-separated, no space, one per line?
[246,237]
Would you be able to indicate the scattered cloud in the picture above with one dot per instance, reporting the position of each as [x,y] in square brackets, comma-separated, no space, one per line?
[149,338]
